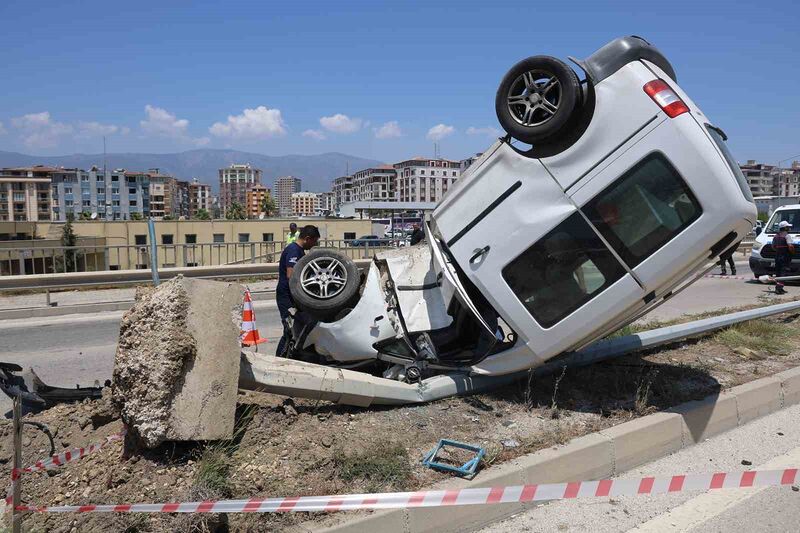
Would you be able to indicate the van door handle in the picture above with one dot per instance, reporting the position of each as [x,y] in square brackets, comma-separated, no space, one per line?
[479,253]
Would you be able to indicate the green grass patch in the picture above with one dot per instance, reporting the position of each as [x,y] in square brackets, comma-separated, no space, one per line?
[213,471]
[382,465]
[758,335]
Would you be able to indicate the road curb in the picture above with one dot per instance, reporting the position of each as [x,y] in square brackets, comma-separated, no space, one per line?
[594,456]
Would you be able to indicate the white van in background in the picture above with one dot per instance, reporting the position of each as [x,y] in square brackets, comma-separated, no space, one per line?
[762,256]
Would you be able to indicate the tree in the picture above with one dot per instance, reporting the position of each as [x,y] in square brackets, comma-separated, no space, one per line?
[236,212]
[268,206]
[202,214]
[68,240]
[167,217]
[136,216]
[86,215]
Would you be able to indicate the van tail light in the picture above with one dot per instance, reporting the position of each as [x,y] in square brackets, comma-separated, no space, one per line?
[666,98]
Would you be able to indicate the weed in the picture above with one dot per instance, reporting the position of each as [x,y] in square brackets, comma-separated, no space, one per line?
[381,465]
[641,402]
[758,335]
[213,471]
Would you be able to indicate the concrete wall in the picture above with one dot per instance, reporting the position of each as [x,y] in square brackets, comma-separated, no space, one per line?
[246,241]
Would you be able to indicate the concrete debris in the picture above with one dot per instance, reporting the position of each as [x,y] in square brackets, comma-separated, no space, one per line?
[177,363]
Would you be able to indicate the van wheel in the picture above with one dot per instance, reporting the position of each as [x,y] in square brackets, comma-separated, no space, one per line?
[536,99]
[324,282]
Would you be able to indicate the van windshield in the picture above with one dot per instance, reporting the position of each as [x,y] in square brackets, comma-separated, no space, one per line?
[792,216]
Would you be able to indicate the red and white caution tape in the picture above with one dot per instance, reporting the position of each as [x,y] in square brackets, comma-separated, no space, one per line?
[59,460]
[71,455]
[441,498]
[723,276]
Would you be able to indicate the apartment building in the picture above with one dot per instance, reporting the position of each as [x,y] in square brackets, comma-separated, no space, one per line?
[255,198]
[234,182]
[425,180]
[327,203]
[284,188]
[374,184]
[787,180]
[342,191]
[760,177]
[109,195]
[305,204]
[464,164]
[25,194]
[199,197]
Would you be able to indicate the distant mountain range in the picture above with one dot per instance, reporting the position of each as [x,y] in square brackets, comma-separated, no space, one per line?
[316,171]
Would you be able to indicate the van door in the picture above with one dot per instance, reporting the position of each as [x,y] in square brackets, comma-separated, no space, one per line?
[655,206]
[534,257]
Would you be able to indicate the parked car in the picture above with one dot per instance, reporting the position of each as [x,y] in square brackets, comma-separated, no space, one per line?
[626,192]
[762,255]
[370,240]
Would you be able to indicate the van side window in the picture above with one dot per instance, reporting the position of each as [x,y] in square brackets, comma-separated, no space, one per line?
[644,209]
[565,269]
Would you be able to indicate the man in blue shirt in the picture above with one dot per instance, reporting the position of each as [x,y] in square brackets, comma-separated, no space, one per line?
[307,239]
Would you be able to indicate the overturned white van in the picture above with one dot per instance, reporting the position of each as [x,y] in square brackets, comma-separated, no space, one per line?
[622,191]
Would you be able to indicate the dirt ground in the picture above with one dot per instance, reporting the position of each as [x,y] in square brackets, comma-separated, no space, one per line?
[287,447]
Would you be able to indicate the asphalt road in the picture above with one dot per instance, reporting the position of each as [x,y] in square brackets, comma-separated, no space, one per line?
[772,442]
[79,349]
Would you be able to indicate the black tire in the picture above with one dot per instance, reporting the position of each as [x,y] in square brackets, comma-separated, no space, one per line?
[537,98]
[324,297]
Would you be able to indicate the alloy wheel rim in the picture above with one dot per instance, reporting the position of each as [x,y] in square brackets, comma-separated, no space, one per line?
[323,278]
[534,97]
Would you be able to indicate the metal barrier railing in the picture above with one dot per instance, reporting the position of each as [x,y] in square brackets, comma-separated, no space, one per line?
[98,258]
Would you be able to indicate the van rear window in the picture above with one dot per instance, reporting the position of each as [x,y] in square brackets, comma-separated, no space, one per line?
[644,209]
[734,166]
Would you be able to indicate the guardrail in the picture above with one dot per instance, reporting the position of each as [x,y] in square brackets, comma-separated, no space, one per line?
[113,278]
[95,258]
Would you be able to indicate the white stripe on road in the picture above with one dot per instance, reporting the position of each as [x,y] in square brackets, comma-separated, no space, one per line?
[706,506]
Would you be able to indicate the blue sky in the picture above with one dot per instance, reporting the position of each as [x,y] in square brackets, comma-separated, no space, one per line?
[373,79]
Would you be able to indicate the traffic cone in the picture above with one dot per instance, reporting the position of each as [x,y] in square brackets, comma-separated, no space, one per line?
[250,335]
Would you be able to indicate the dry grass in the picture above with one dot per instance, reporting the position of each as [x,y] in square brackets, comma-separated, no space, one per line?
[380,466]
[759,336]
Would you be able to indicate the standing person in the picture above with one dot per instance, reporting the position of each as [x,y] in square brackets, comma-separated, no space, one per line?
[727,256]
[417,235]
[784,248]
[292,236]
[307,238]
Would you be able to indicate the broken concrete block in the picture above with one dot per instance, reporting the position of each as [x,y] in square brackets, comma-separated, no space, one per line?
[176,368]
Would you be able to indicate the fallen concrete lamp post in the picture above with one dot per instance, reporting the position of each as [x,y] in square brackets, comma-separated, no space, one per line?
[307,380]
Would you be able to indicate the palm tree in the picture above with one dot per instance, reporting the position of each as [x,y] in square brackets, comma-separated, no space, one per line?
[236,212]
[202,214]
[268,206]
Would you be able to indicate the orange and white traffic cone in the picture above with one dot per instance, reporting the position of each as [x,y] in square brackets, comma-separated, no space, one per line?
[250,335]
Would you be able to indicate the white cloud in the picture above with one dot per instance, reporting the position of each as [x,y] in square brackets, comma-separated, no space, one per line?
[95,129]
[339,123]
[388,130]
[201,141]
[440,131]
[162,122]
[317,135]
[260,122]
[487,131]
[38,131]
[2,129]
